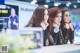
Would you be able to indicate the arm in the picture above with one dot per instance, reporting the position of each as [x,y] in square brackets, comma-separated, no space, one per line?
[16,21]
[44,25]
[71,26]
[9,22]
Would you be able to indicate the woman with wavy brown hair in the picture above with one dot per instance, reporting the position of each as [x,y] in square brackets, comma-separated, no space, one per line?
[40,19]
[67,27]
[55,34]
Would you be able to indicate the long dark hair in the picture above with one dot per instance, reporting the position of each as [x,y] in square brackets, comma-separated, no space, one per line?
[37,17]
[52,14]
[62,21]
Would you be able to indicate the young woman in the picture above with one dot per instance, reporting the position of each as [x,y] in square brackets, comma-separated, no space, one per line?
[40,19]
[67,27]
[55,34]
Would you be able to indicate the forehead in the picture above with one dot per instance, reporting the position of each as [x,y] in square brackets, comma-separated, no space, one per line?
[66,12]
[59,14]
[12,10]
[45,10]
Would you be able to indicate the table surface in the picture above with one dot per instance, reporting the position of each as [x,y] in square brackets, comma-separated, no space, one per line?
[67,48]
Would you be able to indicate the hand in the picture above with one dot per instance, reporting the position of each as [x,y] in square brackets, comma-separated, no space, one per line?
[67,26]
[44,25]
[71,26]
[14,22]
[47,42]
[9,22]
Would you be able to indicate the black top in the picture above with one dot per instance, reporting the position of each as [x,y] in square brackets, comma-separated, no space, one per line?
[68,34]
[45,37]
[57,36]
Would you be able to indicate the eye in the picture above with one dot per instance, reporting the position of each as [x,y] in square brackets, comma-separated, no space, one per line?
[66,15]
[57,16]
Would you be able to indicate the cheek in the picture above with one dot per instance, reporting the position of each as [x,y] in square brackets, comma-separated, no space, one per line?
[68,19]
[55,20]
[65,19]
[60,19]
[46,17]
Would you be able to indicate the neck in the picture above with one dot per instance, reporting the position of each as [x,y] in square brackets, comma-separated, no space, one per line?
[55,25]
[66,23]
[45,21]
[13,15]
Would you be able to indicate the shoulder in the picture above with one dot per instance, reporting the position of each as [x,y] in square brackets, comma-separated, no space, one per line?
[16,16]
[10,16]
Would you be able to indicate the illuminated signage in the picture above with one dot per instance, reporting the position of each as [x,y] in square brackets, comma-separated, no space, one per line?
[3,11]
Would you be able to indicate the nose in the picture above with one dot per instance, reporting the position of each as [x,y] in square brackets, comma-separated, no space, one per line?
[68,17]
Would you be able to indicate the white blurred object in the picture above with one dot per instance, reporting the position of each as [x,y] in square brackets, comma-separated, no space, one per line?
[46,6]
[34,1]
[77,32]
[56,30]
[68,4]
[77,36]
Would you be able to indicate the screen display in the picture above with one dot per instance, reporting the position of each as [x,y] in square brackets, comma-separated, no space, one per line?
[9,16]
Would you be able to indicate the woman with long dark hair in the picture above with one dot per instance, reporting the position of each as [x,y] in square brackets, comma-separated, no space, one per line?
[55,34]
[67,27]
[40,19]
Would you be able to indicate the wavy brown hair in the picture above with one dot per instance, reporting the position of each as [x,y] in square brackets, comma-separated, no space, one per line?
[52,14]
[62,21]
[37,17]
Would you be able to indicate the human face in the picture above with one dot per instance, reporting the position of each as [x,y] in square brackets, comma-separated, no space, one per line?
[13,12]
[66,17]
[58,18]
[46,16]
